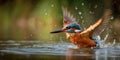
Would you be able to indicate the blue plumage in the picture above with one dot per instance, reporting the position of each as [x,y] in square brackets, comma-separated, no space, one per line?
[76,26]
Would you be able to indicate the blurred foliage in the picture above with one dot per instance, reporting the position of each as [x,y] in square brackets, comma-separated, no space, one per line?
[34,19]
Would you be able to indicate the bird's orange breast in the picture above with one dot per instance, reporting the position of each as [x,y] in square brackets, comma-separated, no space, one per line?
[83,41]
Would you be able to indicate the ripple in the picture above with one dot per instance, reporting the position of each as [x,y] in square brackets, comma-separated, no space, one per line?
[56,49]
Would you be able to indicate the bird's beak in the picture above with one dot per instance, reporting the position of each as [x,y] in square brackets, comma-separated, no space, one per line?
[58,31]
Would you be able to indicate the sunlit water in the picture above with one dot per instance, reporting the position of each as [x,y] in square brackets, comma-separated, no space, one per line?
[33,49]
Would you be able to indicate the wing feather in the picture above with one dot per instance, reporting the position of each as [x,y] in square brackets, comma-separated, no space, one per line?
[100,25]
[105,21]
[68,18]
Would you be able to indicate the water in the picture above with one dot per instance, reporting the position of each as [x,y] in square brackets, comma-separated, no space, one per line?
[36,50]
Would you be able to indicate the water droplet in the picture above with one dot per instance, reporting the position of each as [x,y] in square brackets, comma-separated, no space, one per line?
[31,34]
[52,5]
[81,17]
[95,6]
[76,8]
[79,13]
[112,17]
[82,4]
[46,13]
[91,12]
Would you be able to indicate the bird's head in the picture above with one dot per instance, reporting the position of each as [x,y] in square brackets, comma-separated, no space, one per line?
[70,30]
[70,26]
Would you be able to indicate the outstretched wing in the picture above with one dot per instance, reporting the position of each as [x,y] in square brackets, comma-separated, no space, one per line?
[105,20]
[100,25]
[68,18]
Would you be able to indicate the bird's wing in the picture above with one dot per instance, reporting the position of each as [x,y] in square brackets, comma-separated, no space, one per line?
[100,25]
[67,17]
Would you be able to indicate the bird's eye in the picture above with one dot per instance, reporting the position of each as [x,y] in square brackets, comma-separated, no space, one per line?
[68,27]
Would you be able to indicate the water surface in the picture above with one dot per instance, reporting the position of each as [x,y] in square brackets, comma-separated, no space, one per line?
[35,50]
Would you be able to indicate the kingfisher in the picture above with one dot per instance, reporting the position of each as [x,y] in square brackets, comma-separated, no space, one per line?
[83,38]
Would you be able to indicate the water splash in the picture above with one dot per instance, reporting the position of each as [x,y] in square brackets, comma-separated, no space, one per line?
[104,43]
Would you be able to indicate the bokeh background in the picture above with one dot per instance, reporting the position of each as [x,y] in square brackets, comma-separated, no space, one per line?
[34,19]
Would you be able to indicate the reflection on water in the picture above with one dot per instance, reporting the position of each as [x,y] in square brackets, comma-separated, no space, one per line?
[29,50]
[83,54]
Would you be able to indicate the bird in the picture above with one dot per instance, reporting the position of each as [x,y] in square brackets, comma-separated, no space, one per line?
[84,38]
